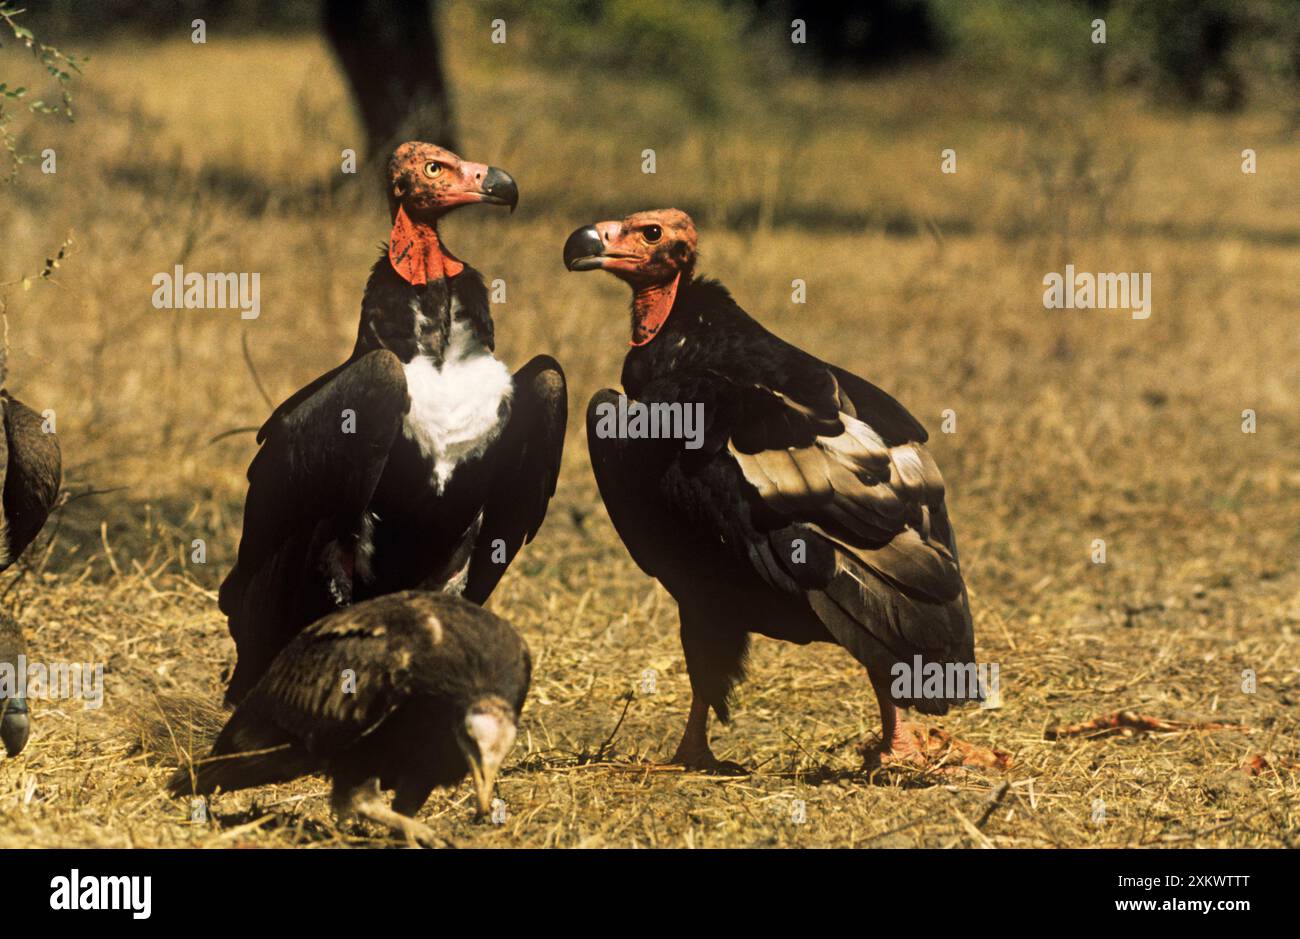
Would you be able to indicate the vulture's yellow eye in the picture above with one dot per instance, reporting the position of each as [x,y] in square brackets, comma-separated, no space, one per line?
[432,169]
[652,233]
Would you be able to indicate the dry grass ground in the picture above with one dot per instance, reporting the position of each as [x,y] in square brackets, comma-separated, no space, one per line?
[1071,426]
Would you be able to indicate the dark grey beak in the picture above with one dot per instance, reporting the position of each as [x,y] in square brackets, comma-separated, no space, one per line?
[499,188]
[14,725]
[583,250]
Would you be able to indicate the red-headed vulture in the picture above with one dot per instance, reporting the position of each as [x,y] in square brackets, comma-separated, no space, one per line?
[420,462]
[406,692]
[802,506]
[32,471]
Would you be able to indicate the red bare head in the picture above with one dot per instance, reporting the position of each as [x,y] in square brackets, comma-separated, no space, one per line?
[644,249]
[654,252]
[428,180]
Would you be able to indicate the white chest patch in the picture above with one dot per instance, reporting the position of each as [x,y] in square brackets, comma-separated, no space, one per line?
[456,410]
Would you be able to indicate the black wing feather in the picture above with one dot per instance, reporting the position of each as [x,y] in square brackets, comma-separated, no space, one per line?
[526,467]
[309,484]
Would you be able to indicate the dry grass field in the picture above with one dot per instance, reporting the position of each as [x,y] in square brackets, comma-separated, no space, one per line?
[1071,426]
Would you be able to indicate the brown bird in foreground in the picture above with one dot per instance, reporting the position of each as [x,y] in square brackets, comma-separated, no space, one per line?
[32,473]
[406,692]
[803,506]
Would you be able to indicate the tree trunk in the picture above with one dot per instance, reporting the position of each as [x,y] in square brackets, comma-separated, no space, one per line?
[390,53]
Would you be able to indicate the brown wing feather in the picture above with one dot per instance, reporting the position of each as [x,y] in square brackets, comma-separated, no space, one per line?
[880,625]
[872,499]
[30,477]
[894,587]
[340,678]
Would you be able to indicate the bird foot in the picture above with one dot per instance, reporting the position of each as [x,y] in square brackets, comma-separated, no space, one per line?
[417,834]
[366,802]
[918,746]
[702,760]
[423,836]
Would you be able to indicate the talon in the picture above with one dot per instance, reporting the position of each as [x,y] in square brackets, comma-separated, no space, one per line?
[933,750]
[705,762]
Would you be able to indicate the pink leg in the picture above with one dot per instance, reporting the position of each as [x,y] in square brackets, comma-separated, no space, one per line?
[897,744]
[929,748]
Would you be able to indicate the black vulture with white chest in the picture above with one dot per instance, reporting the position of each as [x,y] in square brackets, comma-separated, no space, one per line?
[407,692]
[806,507]
[420,462]
[32,471]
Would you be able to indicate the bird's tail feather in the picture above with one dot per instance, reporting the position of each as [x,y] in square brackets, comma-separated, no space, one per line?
[882,627]
[231,771]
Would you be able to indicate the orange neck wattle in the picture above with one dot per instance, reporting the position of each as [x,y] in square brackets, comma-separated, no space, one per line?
[650,309]
[416,252]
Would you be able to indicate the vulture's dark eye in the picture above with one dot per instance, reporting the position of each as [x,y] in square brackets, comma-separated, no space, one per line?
[652,233]
[432,169]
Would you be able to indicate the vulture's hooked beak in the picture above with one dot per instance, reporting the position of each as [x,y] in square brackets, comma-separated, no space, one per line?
[584,250]
[603,246]
[484,780]
[14,725]
[491,185]
[490,733]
